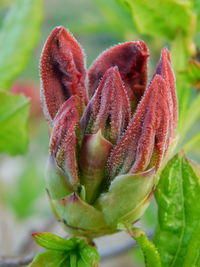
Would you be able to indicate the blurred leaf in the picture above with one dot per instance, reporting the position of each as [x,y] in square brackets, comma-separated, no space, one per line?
[50,259]
[189,113]
[184,95]
[179,53]
[18,36]
[192,144]
[162,18]
[178,229]
[193,73]
[112,10]
[53,242]
[14,111]
[192,115]
[21,197]
[197,9]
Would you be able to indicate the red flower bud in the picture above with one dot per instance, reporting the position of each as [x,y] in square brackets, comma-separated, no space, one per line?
[105,150]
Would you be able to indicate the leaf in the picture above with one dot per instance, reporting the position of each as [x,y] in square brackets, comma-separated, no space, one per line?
[50,259]
[177,195]
[112,10]
[53,242]
[14,111]
[18,36]
[73,252]
[197,9]
[162,18]
[89,256]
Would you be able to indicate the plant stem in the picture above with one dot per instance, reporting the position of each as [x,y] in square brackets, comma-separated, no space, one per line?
[151,255]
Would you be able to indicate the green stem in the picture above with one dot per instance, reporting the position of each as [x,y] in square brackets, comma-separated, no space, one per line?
[151,255]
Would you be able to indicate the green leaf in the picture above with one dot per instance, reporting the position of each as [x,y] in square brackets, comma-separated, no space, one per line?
[53,242]
[50,259]
[14,110]
[89,256]
[18,36]
[73,260]
[112,10]
[162,18]
[74,252]
[177,195]
[197,9]
[151,255]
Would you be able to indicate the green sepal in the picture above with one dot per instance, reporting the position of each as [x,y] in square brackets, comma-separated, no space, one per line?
[92,160]
[50,259]
[178,195]
[56,181]
[80,217]
[139,210]
[53,242]
[126,193]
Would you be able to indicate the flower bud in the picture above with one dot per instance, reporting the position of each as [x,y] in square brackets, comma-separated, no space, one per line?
[105,151]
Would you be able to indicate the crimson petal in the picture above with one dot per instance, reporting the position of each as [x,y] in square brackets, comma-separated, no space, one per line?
[135,150]
[62,69]
[63,139]
[109,108]
[131,59]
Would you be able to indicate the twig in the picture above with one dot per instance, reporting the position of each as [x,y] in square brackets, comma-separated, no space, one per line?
[18,262]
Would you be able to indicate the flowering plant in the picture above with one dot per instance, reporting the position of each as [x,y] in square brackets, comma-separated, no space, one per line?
[111,135]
